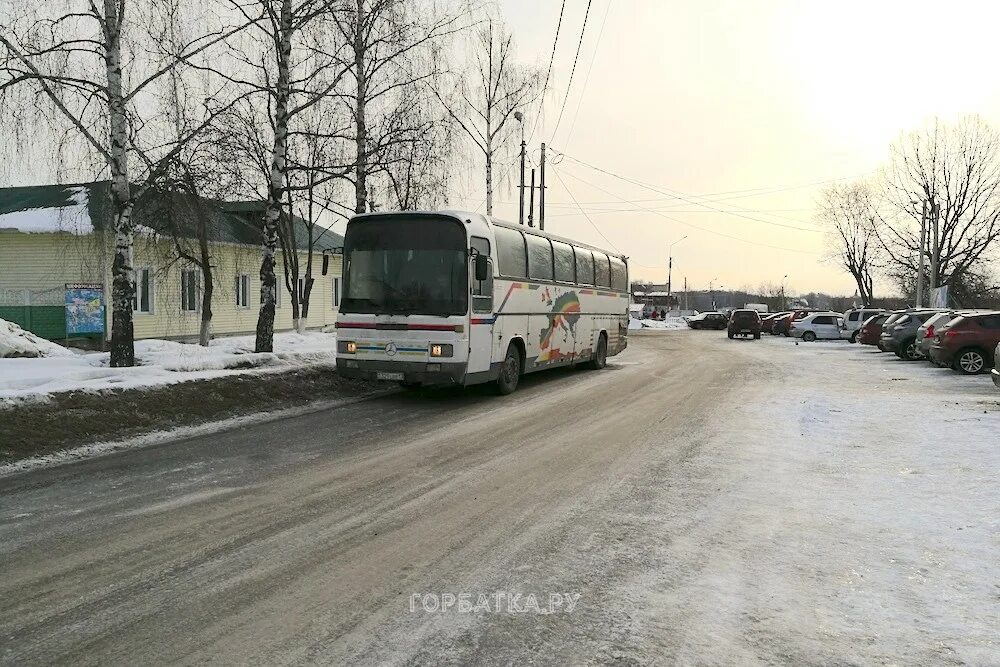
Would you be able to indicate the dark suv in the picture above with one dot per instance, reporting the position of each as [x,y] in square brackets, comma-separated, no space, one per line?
[744,323]
[711,320]
[968,343]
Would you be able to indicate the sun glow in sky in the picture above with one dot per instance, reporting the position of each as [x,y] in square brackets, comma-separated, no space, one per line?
[746,103]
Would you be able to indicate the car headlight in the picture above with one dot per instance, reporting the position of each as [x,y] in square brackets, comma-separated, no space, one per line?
[442,350]
[347,346]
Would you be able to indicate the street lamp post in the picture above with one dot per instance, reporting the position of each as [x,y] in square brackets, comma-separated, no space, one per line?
[520,214]
[783,291]
[711,290]
[670,265]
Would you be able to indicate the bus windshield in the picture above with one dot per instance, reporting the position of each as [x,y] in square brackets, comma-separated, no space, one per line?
[405,265]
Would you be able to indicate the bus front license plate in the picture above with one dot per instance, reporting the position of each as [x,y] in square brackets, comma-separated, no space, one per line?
[386,375]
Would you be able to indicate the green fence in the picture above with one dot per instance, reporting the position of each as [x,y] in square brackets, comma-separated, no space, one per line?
[45,321]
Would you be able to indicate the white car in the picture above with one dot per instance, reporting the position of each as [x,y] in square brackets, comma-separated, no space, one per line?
[816,326]
[854,318]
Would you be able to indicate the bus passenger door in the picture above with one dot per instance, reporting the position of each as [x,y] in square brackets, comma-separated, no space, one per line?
[482,321]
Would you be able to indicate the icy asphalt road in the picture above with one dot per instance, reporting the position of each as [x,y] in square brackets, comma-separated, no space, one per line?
[710,502]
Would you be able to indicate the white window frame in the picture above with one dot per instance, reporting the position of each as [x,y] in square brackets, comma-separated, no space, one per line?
[196,306]
[242,291]
[138,286]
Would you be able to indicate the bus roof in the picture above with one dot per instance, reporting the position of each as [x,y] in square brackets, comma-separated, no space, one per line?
[468,215]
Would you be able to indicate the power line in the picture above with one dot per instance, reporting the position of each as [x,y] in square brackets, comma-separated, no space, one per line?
[586,80]
[548,73]
[688,224]
[570,193]
[569,84]
[679,196]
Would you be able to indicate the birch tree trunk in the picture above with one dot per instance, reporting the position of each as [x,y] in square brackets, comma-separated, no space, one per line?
[122,274]
[360,119]
[276,186]
[205,331]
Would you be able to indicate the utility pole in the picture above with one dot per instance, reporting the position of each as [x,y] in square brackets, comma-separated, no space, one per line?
[541,193]
[531,201]
[670,265]
[670,268]
[935,245]
[520,217]
[920,255]
[686,304]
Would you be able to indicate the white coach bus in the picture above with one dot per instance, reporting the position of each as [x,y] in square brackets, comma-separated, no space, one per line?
[459,298]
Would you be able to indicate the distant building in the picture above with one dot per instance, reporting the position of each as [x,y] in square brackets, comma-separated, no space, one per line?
[654,296]
[56,242]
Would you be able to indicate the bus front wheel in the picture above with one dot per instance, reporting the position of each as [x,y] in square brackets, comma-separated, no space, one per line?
[600,359]
[510,371]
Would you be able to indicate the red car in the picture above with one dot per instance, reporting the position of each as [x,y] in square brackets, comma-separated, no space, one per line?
[785,323]
[968,343]
[871,330]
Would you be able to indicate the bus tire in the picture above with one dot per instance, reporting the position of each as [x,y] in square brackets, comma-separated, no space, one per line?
[600,359]
[510,371]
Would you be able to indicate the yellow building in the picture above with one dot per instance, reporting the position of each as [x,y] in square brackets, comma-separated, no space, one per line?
[56,240]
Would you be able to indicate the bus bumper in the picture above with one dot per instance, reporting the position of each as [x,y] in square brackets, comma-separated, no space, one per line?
[416,372]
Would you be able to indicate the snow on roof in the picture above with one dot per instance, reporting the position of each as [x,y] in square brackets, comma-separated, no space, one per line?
[73,216]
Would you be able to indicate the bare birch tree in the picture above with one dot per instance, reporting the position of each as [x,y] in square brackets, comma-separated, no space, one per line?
[496,88]
[851,213]
[955,171]
[385,39]
[66,62]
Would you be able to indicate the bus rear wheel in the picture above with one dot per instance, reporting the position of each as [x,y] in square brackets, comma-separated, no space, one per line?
[510,371]
[600,359]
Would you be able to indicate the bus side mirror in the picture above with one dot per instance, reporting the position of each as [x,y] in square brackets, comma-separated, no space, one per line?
[482,267]
[326,264]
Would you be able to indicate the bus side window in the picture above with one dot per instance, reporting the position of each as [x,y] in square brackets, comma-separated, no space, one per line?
[482,293]
[482,290]
[619,275]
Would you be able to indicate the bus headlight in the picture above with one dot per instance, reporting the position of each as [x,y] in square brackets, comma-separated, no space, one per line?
[347,346]
[442,350]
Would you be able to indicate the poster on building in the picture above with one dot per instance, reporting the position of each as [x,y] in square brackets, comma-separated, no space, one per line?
[84,308]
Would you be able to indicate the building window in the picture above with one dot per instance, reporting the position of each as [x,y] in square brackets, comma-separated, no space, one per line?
[142,302]
[189,290]
[336,292]
[243,291]
[301,290]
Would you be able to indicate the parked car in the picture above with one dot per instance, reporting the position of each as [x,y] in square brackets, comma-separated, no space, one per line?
[817,325]
[968,343]
[767,323]
[995,373]
[870,331]
[744,322]
[893,316]
[797,315]
[900,336]
[711,320]
[927,330]
[854,318]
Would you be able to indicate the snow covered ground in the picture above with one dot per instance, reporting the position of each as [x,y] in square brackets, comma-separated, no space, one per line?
[160,362]
[857,517]
[671,323]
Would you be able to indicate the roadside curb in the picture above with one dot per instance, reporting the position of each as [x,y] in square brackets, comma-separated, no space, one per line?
[103,448]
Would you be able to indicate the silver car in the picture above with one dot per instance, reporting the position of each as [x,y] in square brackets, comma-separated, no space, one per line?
[925,334]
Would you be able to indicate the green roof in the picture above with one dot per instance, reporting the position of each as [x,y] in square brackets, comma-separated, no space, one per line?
[165,212]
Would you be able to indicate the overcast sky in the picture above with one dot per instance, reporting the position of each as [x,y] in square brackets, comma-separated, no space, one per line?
[698,97]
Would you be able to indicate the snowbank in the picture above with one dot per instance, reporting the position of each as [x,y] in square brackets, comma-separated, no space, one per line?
[16,342]
[159,362]
[670,323]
